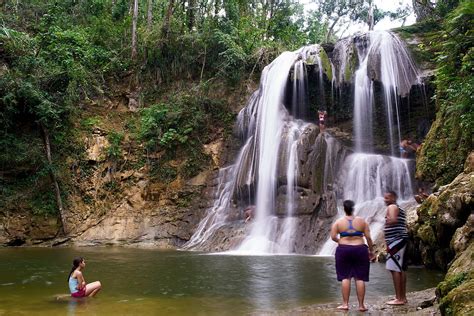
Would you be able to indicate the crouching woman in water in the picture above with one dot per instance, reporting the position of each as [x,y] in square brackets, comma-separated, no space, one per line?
[352,254]
[77,283]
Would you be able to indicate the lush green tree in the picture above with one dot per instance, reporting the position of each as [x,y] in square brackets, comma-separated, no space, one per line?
[340,14]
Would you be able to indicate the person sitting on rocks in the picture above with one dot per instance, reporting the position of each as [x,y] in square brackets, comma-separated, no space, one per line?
[412,147]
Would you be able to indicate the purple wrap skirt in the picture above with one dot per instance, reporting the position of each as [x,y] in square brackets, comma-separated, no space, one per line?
[352,262]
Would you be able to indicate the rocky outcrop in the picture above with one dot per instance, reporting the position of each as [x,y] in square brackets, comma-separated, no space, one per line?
[24,229]
[444,235]
[456,292]
[441,215]
[112,205]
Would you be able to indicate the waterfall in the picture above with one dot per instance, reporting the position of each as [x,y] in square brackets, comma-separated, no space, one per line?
[292,173]
[261,125]
[363,107]
[365,177]
[386,59]
[269,128]
[397,73]
[287,235]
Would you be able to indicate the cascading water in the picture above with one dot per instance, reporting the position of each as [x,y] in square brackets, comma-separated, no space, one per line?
[290,172]
[363,106]
[269,132]
[384,59]
[288,228]
[365,177]
[269,128]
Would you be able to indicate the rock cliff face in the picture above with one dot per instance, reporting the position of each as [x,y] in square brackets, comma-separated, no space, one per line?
[444,227]
[444,234]
[123,202]
[110,206]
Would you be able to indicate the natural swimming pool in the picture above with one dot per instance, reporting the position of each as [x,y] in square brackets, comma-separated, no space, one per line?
[156,282]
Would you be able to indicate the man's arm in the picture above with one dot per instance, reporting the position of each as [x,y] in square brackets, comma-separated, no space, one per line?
[392,215]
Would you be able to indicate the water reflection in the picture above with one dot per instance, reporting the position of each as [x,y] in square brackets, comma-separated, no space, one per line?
[75,303]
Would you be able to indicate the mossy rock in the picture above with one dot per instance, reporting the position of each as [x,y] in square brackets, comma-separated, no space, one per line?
[428,209]
[445,149]
[450,283]
[427,235]
[457,289]
[417,28]
[351,66]
[326,63]
[459,301]
[463,264]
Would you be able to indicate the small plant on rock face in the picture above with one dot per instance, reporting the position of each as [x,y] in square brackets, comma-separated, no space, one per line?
[90,122]
[114,151]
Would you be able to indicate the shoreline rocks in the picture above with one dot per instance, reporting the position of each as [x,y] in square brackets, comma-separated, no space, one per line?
[419,303]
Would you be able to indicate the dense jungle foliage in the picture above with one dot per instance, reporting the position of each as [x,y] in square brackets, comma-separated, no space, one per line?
[450,139]
[167,58]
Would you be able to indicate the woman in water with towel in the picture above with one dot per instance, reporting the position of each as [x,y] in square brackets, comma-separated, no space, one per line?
[352,254]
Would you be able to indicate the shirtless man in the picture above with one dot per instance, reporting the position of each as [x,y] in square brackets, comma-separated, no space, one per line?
[396,237]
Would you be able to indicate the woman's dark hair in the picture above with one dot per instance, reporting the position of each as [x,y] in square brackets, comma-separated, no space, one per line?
[348,207]
[75,263]
[393,193]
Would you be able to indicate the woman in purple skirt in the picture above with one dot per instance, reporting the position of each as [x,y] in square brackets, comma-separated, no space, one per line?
[352,255]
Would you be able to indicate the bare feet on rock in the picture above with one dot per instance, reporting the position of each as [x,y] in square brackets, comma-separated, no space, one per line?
[363,308]
[397,302]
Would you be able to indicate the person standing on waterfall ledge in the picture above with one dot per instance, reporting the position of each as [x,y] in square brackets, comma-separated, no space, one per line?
[396,238]
[352,254]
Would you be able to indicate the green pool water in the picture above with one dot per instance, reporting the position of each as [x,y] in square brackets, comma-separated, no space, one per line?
[153,282]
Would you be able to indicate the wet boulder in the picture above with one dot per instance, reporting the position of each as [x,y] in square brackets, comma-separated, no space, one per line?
[305,201]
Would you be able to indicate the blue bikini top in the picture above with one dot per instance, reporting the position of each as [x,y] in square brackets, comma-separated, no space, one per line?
[351,231]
